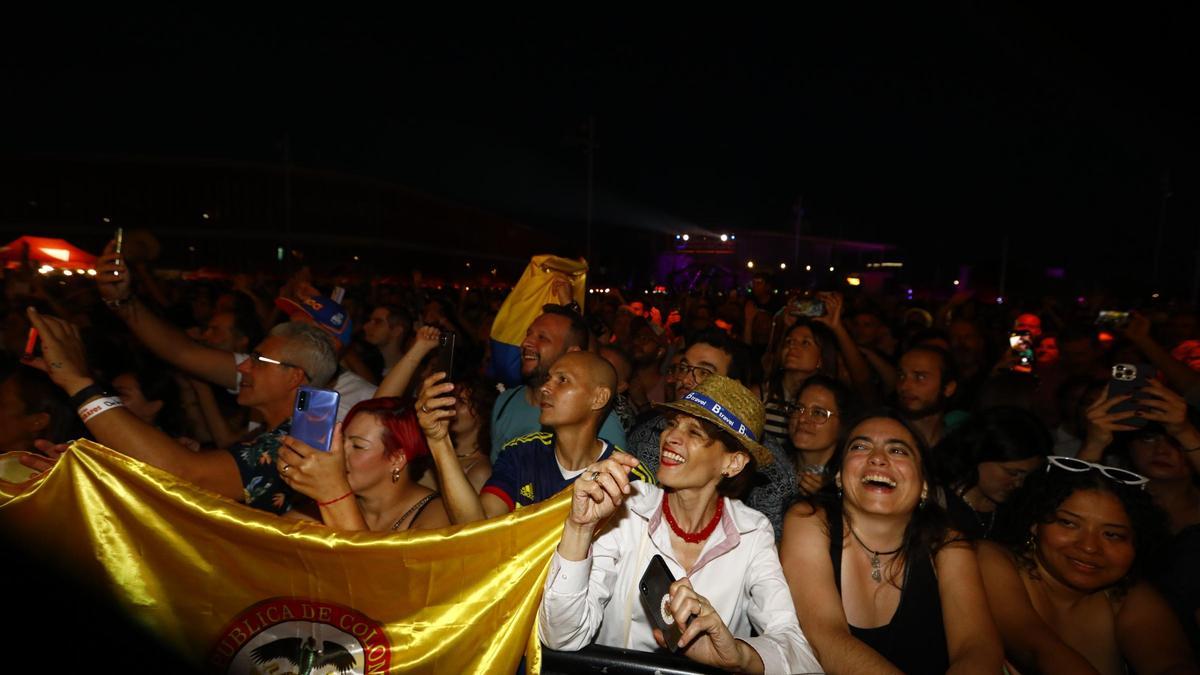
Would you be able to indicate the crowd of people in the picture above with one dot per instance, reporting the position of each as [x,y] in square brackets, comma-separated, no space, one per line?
[843,483]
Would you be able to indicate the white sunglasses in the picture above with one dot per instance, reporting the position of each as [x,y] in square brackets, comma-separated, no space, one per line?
[1119,475]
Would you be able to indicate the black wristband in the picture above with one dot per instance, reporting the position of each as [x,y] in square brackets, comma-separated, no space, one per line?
[90,391]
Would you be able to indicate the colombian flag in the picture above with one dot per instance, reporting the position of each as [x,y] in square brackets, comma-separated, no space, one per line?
[524,304]
[236,590]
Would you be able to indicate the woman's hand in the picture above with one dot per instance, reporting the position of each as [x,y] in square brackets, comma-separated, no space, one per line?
[1102,423]
[833,309]
[811,482]
[599,490]
[62,353]
[706,638]
[426,340]
[1165,406]
[435,407]
[311,472]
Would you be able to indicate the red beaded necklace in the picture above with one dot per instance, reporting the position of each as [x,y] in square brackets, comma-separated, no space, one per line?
[693,537]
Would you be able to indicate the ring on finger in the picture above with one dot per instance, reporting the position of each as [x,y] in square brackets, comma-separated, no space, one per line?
[424,409]
[285,468]
[592,476]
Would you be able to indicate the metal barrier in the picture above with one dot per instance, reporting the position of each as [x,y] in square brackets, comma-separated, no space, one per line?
[613,661]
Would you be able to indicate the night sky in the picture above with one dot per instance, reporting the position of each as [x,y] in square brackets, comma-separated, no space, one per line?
[917,127]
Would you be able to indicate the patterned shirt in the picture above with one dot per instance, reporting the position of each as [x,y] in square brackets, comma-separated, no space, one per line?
[262,487]
[528,471]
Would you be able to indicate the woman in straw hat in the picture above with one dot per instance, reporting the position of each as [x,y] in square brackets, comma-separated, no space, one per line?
[721,552]
[880,582]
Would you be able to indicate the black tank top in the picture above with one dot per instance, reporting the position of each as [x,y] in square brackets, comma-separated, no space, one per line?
[915,639]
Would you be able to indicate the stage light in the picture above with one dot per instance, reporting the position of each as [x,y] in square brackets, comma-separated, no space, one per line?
[750,264]
[724,237]
[686,237]
[853,281]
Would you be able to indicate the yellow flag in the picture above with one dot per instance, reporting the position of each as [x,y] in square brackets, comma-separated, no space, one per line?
[237,590]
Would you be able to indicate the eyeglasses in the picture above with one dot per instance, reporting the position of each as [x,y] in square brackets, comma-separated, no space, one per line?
[1122,476]
[259,358]
[698,373]
[815,413]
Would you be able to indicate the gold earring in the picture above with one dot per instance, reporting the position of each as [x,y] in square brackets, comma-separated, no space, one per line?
[395,474]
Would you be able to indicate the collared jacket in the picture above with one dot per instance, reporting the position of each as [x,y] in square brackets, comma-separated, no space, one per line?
[595,600]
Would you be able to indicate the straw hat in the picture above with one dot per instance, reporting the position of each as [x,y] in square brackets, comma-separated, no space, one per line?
[730,406]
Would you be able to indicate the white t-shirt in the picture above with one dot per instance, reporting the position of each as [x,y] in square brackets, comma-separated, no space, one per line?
[350,387]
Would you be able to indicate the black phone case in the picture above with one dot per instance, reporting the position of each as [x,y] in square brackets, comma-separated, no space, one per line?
[1118,387]
[654,588]
[444,361]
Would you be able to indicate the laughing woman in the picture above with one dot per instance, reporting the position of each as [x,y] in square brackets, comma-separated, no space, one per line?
[880,583]
[721,551]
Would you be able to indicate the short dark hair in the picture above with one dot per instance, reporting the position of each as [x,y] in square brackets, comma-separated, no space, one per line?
[398,316]
[578,333]
[1003,434]
[947,371]
[715,337]
[729,486]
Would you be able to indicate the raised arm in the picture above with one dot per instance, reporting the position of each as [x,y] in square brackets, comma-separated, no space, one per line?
[971,638]
[804,554]
[1027,639]
[463,503]
[860,371]
[166,341]
[396,382]
[121,430]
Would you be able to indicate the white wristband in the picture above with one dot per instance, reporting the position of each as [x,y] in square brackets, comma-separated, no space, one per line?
[101,405]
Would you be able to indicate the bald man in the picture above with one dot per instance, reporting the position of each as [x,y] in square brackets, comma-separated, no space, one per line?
[575,398]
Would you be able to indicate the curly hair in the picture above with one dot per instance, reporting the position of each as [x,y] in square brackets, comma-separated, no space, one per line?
[1037,501]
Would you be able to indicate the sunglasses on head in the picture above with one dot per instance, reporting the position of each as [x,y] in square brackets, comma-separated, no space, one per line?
[1113,473]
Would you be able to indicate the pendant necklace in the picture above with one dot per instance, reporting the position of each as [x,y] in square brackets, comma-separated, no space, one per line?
[876,574]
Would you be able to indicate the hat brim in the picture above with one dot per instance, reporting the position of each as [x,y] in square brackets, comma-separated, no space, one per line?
[294,310]
[757,450]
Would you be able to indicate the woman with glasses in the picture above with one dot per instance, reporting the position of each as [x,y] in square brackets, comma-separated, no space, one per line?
[984,461]
[368,479]
[880,582]
[812,346]
[1067,594]
[815,427]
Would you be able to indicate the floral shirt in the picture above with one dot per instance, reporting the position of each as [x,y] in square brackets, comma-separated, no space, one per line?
[262,488]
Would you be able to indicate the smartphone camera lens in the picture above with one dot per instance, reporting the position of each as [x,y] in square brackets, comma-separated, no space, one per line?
[302,401]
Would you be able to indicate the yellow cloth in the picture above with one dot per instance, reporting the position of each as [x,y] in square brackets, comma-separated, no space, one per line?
[192,567]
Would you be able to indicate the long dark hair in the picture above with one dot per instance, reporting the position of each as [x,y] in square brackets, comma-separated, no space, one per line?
[1043,492]
[928,529]
[826,343]
[1002,434]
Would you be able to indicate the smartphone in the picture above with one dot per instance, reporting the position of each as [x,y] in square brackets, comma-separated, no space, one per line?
[654,590]
[314,415]
[807,307]
[1021,345]
[119,241]
[1109,318]
[31,346]
[1130,378]
[444,361]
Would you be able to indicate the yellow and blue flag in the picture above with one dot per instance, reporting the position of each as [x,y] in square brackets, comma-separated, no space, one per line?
[524,304]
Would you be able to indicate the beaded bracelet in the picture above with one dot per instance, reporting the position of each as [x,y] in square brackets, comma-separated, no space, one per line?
[332,501]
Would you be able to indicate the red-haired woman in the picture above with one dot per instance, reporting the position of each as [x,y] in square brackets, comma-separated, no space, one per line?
[368,479]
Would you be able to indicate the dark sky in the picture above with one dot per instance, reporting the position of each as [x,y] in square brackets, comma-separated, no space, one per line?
[908,126]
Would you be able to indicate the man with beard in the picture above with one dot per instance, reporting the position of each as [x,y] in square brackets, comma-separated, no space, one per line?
[557,331]
[926,383]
